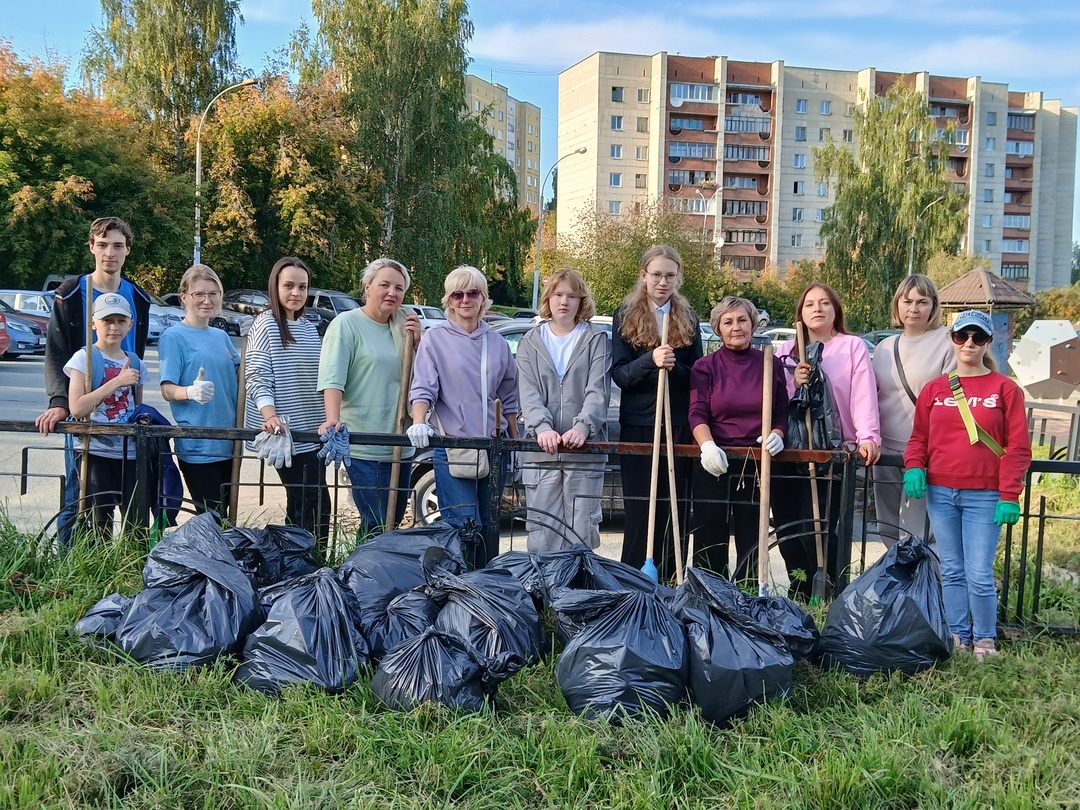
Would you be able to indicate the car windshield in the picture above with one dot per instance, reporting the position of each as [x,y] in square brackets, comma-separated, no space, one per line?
[342,303]
[433,314]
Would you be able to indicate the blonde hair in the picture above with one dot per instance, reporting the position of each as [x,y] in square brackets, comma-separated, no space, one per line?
[586,309]
[924,286]
[728,303]
[638,326]
[374,267]
[465,277]
[201,272]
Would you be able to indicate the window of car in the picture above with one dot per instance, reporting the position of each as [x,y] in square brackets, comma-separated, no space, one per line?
[343,303]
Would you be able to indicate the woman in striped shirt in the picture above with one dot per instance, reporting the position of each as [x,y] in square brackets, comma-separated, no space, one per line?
[282,371]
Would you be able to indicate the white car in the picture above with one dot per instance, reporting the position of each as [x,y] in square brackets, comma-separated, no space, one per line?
[430,317]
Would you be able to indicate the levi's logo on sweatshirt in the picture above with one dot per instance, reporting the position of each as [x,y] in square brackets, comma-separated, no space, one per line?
[974,402]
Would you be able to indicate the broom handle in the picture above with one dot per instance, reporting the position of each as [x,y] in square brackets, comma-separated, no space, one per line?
[766,473]
[661,387]
[800,337]
[84,471]
[399,428]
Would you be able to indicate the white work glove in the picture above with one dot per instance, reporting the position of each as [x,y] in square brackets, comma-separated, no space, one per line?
[202,390]
[773,444]
[281,445]
[420,434]
[713,459]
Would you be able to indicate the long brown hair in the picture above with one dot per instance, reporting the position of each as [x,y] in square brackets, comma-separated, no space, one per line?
[639,327]
[834,299]
[277,309]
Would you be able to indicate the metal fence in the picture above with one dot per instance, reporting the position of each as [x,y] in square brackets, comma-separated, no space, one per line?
[1038,582]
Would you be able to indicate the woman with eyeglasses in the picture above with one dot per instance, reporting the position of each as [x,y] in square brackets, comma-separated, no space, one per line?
[968,454]
[461,369]
[281,371]
[637,356]
[199,380]
[903,365]
[360,380]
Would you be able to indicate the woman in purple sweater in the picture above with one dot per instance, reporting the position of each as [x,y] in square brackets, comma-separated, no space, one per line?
[725,411]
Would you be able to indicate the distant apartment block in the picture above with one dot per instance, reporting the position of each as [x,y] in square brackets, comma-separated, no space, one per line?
[728,143]
[515,126]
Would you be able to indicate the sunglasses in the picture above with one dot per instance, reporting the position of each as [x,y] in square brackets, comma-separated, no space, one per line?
[458,295]
[978,337]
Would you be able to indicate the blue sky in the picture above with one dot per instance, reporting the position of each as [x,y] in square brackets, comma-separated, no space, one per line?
[1029,45]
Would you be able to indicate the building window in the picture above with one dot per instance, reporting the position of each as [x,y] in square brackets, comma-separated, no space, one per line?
[819,215]
[640,181]
[800,105]
[500,134]
[991,118]
[849,109]
[615,178]
[501,116]
[826,108]
[796,214]
[798,187]
[477,104]
[750,208]
[692,92]
[988,195]
[530,129]
[528,197]
[1014,245]
[1021,121]
[530,145]
[616,151]
[987,246]
[800,161]
[823,189]
[988,170]
[988,221]
[641,152]
[990,143]
[849,136]
[616,122]
[1021,148]
[800,133]
[746,123]
[1009,173]
[643,95]
[734,151]
[823,133]
[1022,221]
[735,97]
[735,181]
[614,207]
[643,123]
[687,123]
[616,94]
[796,240]
[1014,271]
[528,163]
[704,151]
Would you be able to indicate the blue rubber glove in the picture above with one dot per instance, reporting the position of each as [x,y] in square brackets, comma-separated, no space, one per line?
[1006,513]
[335,448]
[915,482]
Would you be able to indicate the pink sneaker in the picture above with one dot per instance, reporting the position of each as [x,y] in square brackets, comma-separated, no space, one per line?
[985,648]
[959,647]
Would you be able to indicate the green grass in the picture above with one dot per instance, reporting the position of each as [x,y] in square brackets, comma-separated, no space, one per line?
[80,727]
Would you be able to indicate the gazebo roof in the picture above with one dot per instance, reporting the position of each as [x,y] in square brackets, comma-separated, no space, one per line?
[981,288]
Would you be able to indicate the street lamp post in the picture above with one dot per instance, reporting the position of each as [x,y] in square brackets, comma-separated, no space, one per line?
[198,164]
[540,224]
[911,252]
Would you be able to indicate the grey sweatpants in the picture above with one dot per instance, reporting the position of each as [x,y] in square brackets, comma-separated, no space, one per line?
[563,501]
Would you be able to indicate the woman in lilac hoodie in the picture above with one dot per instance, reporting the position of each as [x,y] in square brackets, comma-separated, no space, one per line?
[447,395]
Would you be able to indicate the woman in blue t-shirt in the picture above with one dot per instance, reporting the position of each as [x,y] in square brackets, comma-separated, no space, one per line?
[198,378]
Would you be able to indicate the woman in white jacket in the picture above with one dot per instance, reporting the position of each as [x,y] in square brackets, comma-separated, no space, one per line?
[564,388]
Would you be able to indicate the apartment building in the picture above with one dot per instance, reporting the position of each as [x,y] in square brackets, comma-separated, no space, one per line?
[515,126]
[728,143]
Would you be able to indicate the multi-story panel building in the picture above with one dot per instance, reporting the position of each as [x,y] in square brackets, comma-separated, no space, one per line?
[515,127]
[730,143]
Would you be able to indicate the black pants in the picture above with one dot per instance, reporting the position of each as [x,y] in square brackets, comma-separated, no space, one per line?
[207,484]
[635,480]
[730,503]
[793,516]
[307,500]
[110,482]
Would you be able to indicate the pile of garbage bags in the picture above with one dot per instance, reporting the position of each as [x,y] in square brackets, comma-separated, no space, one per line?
[405,610]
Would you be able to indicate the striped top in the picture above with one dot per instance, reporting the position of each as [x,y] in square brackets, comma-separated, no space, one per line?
[285,377]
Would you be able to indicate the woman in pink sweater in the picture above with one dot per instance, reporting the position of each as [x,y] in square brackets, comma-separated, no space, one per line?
[846,364]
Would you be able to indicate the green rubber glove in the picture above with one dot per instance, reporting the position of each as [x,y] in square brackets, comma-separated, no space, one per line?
[915,482]
[1006,513]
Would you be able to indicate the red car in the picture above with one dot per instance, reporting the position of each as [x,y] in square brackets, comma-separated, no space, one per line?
[5,340]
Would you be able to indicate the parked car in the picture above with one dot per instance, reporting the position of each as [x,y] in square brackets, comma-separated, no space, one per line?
[247,302]
[167,314]
[5,338]
[28,302]
[40,320]
[430,317]
[526,314]
[324,305]
[25,336]
[778,334]
[425,501]
[879,335]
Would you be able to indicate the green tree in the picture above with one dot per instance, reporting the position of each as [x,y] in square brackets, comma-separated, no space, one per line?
[66,159]
[895,202]
[163,60]
[446,197]
[944,267]
[1075,277]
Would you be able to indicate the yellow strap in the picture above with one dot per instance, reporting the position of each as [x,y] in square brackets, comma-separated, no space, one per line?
[975,432]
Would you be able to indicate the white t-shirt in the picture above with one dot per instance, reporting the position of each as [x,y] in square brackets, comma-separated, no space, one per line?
[561,348]
[115,408]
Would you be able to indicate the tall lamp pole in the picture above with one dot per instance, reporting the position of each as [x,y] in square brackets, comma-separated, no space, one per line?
[704,213]
[540,223]
[911,252]
[198,164]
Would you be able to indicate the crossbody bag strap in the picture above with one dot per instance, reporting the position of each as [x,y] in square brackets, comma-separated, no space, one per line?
[975,431]
[484,382]
[900,370]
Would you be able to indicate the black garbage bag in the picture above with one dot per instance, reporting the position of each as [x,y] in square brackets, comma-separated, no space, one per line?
[100,622]
[629,659]
[436,667]
[273,554]
[735,661]
[197,605]
[408,614]
[817,398]
[311,635]
[523,566]
[391,564]
[891,617]
[574,609]
[780,620]
[489,608]
[581,568]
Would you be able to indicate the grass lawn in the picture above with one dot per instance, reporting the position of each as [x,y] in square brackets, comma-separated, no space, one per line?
[81,728]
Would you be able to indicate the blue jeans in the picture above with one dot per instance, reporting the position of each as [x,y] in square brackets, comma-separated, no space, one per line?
[371,490]
[464,498]
[65,518]
[967,539]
